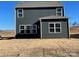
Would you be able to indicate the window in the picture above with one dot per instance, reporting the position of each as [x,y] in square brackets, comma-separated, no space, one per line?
[58,27]
[54,27]
[28,29]
[20,13]
[21,28]
[51,27]
[34,29]
[59,12]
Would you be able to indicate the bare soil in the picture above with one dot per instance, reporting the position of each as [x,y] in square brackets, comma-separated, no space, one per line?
[40,47]
[9,46]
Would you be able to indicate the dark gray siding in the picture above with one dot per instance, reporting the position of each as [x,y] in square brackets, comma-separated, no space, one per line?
[46,34]
[32,16]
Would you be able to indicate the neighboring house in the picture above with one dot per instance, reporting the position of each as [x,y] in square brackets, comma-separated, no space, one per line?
[41,20]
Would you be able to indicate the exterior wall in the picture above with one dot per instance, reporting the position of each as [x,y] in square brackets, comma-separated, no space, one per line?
[63,34]
[32,16]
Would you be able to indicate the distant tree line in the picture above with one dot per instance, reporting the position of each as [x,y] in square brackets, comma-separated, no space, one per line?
[75,24]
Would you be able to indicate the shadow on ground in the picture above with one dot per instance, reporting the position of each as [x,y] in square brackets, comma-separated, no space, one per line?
[71,36]
[8,38]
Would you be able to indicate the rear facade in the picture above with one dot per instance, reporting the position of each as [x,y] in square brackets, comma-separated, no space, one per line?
[41,20]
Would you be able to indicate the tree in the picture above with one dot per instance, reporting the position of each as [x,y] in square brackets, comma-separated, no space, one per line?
[74,24]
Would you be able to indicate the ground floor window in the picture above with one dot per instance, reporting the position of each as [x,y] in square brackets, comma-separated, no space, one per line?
[28,29]
[54,27]
[22,29]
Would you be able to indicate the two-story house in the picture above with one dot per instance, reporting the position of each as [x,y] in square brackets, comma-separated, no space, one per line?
[44,19]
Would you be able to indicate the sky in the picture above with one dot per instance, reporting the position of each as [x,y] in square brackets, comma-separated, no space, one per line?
[7,13]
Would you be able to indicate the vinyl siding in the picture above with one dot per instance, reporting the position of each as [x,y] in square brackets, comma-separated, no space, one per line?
[46,34]
[32,16]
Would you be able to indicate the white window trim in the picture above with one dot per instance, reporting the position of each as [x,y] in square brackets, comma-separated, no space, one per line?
[25,29]
[60,27]
[20,13]
[54,27]
[31,29]
[49,27]
[34,29]
[21,29]
[59,12]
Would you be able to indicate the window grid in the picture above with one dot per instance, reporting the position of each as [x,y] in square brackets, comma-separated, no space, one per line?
[34,29]
[20,13]
[55,28]
[59,13]
[58,27]
[21,29]
[31,30]
[52,28]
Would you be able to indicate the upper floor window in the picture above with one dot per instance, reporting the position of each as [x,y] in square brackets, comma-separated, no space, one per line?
[59,12]
[20,13]
[54,27]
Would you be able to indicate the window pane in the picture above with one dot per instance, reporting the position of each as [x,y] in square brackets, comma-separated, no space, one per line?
[27,31]
[20,15]
[22,31]
[34,27]
[59,10]
[21,27]
[59,14]
[57,25]
[33,31]
[20,11]
[28,27]
[51,30]
[57,29]
[51,25]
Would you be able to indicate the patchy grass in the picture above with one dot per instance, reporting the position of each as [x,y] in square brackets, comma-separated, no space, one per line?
[40,47]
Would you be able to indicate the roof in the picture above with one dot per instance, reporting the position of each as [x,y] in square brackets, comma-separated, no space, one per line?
[31,4]
[54,17]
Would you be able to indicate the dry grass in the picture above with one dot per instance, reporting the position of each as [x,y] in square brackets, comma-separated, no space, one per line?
[7,33]
[40,47]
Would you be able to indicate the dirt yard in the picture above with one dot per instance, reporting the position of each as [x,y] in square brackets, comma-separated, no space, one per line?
[40,47]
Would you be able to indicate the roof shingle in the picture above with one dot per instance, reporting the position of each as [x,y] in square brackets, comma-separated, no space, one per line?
[54,17]
[32,4]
